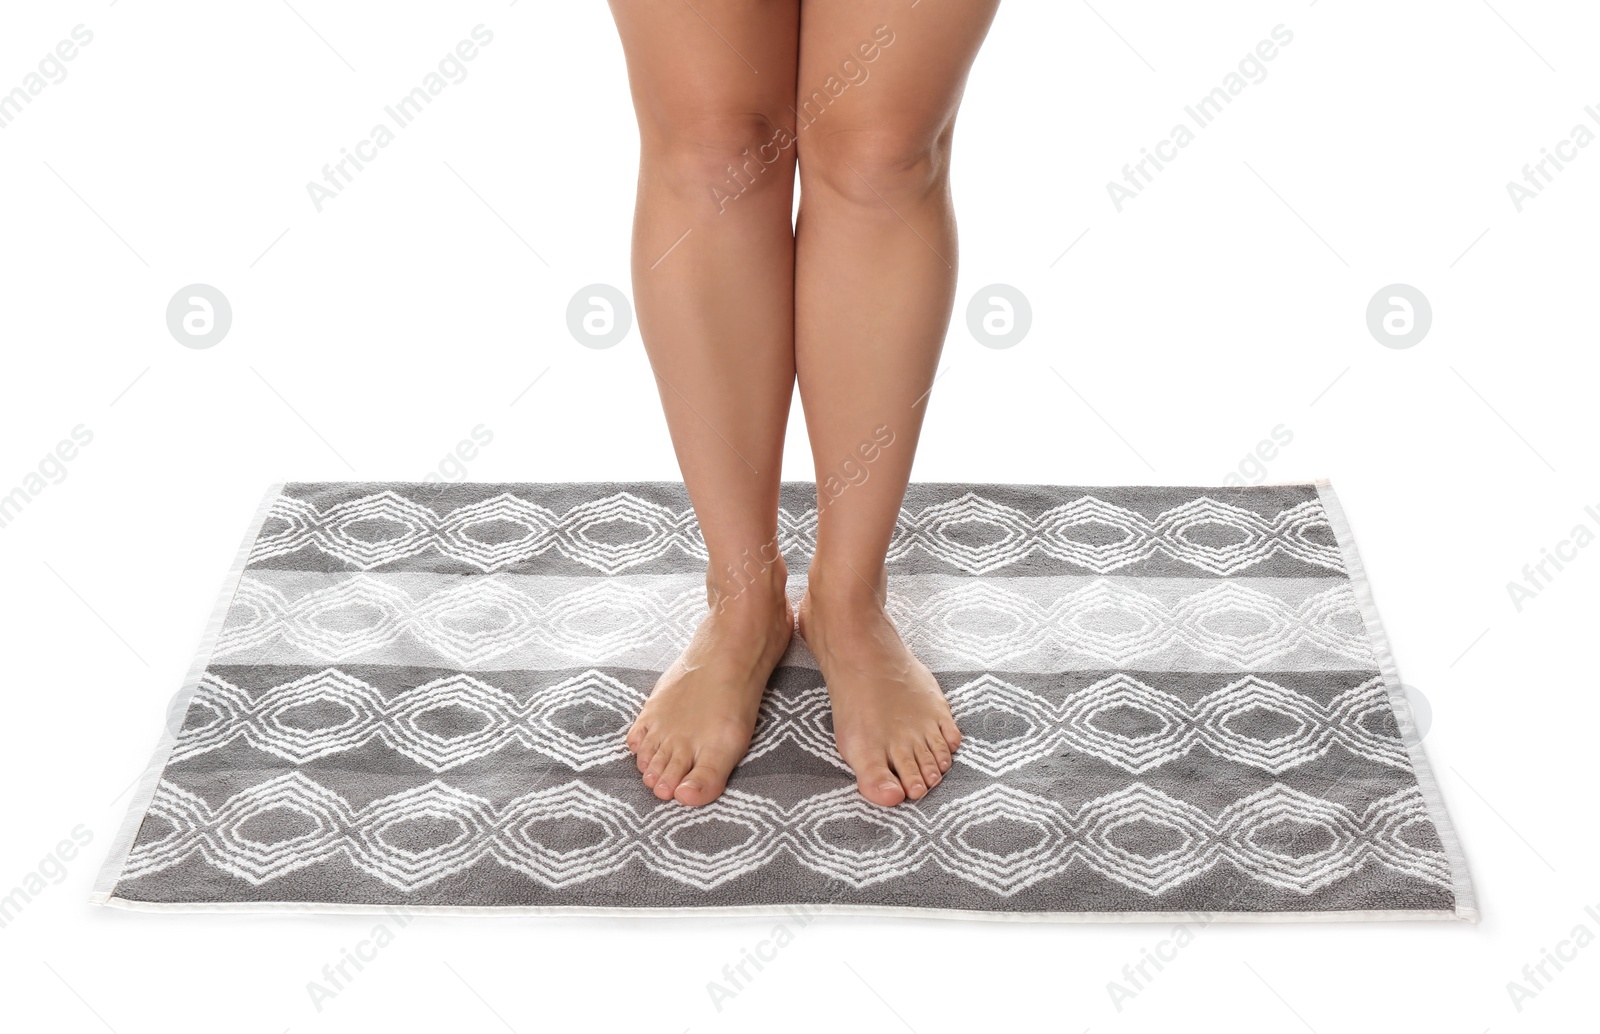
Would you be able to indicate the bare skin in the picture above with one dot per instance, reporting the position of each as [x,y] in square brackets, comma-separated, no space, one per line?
[714,289]
[736,305]
[891,722]
[697,724]
[876,277]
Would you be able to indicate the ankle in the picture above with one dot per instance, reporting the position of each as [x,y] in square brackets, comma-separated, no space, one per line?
[847,586]
[755,582]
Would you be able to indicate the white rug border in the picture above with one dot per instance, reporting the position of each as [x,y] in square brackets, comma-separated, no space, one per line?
[145,791]
[1461,880]
[1466,904]
[792,911]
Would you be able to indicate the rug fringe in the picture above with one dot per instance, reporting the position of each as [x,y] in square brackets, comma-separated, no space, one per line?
[798,910]
[145,790]
[1461,881]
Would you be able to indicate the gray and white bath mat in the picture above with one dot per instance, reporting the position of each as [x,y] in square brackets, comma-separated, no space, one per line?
[1174,701]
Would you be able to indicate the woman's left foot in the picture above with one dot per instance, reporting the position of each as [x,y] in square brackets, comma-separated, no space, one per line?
[890,720]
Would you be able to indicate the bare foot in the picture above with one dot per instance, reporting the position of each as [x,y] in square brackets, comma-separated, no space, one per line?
[697,724]
[890,720]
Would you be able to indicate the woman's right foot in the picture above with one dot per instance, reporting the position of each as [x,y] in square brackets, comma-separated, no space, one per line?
[890,719]
[696,725]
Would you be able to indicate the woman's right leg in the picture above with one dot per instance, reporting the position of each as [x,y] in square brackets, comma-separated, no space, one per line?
[876,281]
[713,282]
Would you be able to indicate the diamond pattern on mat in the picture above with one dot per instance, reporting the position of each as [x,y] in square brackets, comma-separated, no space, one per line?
[1105,835]
[988,623]
[471,622]
[1101,537]
[1212,722]
[985,623]
[221,713]
[264,719]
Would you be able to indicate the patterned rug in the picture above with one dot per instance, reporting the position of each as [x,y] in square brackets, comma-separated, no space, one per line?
[1174,700]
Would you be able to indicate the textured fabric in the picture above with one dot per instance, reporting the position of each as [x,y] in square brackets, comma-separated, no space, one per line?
[1173,700]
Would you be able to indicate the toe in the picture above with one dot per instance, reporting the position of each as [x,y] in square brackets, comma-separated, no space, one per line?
[928,766]
[636,735]
[903,758]
[648,745]
[952,735]
[672,774]
[878,785]
[941,751]
[703,784]
[652,759]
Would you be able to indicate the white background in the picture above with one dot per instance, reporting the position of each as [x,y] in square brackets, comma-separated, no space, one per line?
[369,338]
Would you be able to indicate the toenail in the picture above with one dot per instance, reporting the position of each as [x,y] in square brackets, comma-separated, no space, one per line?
[917,787]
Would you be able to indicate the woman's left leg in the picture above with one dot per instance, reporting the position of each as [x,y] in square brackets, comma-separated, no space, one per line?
[875,279]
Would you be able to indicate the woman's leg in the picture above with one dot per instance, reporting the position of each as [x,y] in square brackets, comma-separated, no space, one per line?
[713,276]
[875,280]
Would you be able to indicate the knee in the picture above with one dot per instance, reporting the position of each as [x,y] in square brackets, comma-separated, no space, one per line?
[871,167]
[720,159]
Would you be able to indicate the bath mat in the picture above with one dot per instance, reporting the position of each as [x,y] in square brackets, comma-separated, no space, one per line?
[1175,701]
